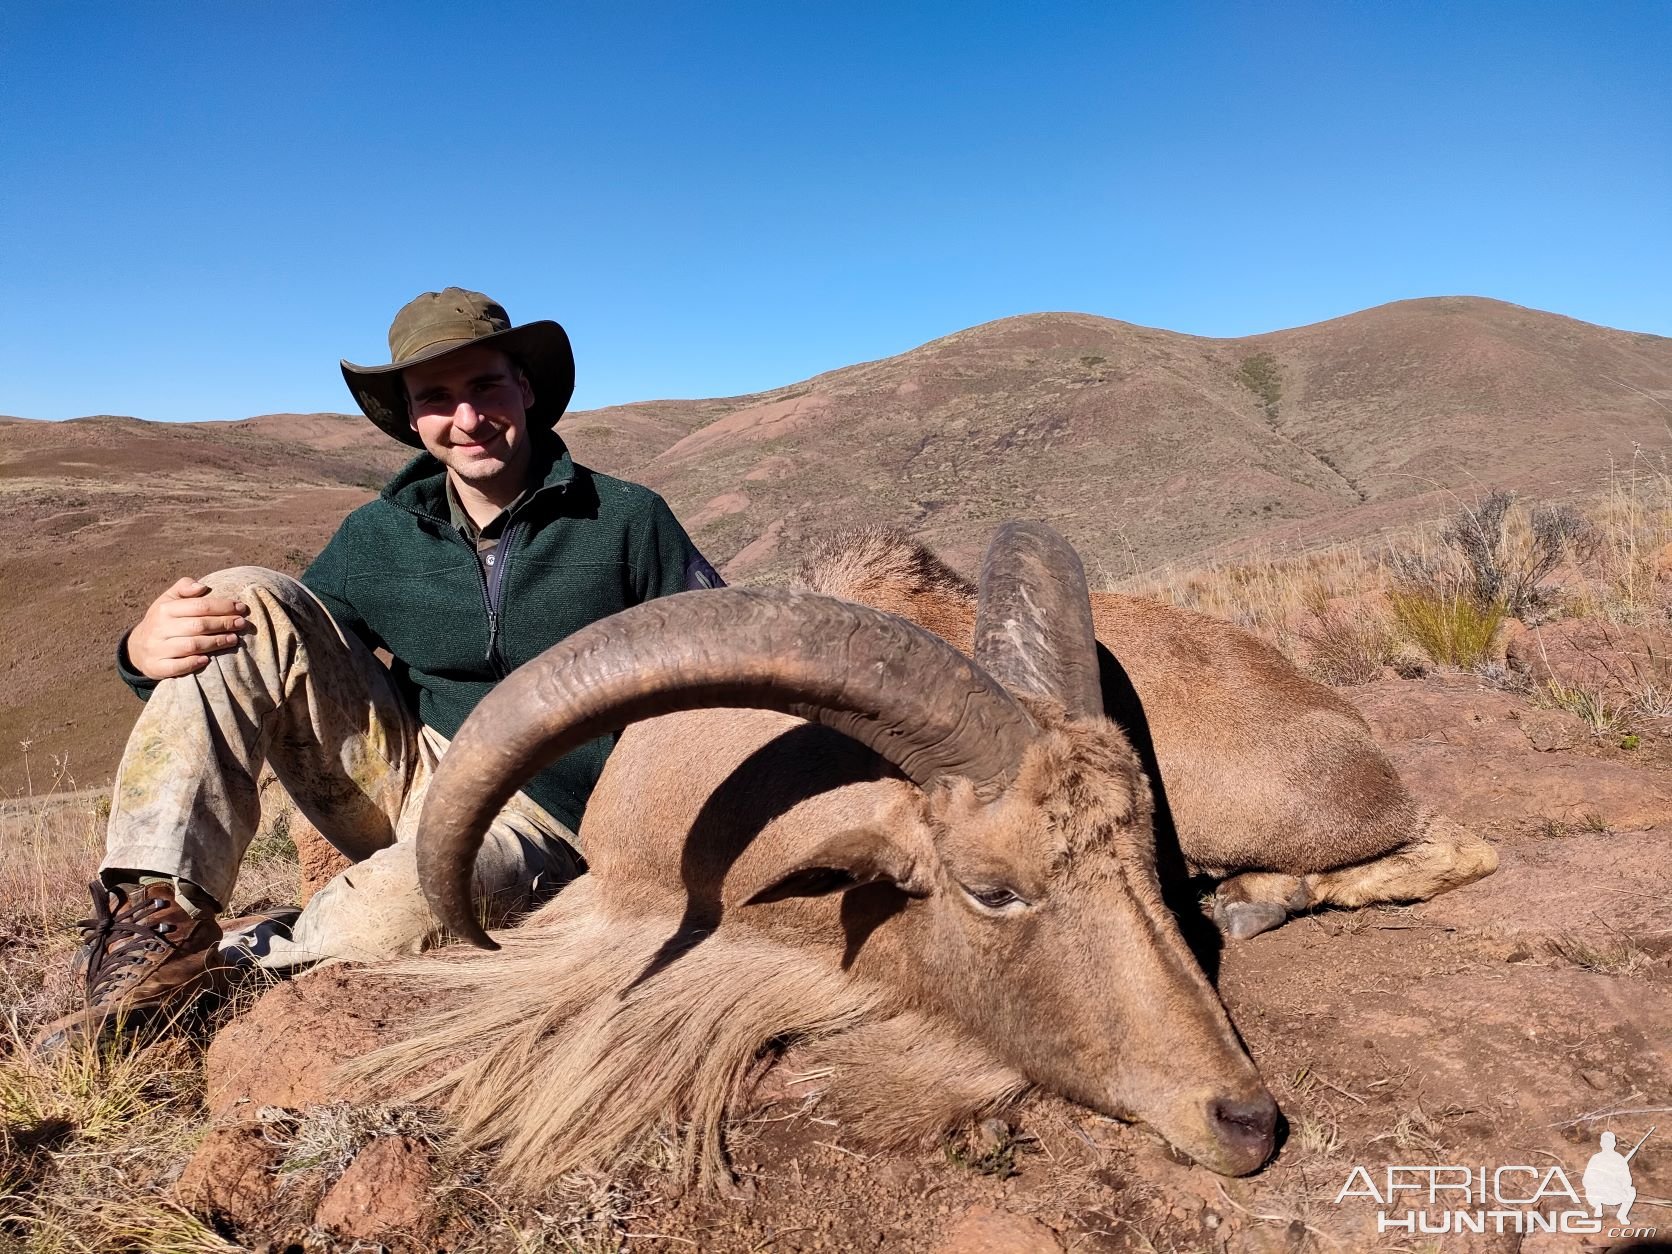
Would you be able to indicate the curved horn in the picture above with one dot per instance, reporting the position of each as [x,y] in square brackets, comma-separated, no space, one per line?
[895,688]
[1033,629]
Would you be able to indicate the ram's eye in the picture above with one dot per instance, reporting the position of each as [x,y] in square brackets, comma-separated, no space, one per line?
[994,898]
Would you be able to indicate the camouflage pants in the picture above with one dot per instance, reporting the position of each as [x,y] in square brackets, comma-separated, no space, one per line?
[314,703]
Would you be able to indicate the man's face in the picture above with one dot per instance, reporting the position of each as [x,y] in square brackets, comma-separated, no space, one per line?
[470,410]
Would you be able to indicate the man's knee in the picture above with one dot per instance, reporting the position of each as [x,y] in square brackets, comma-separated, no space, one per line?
[268,594]
[244,581]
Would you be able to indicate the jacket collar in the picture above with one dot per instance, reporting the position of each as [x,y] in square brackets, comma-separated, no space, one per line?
[421,485]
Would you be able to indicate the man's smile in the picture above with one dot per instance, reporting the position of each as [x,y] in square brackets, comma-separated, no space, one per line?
[481,441]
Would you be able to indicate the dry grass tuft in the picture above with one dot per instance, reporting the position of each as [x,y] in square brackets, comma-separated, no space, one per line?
[1445,624]
[1599,710]
[53,840]
[1650,688]
[1622,957]
[585,1213]
[53,837]
[1417,1129]
[146,1225]
[1623,685]
[88,1139]
[1269,595]
[1346,643]
[1629,564]
[1317,1136]
[326,1138]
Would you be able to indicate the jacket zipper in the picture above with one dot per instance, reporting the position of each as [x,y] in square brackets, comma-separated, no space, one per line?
[492,654]
[507,543]
[502,563]
[487,605]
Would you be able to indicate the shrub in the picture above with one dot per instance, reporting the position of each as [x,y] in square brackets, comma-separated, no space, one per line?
[1501,567]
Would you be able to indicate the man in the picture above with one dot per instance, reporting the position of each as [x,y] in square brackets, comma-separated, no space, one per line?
[485,550]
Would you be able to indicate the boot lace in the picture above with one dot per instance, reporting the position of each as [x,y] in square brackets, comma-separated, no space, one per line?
[120,944]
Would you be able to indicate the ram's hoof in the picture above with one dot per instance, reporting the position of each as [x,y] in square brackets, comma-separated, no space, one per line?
[1241,919]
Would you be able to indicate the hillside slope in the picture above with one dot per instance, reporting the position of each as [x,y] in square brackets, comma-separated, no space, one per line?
[1147,446]
[1144,446]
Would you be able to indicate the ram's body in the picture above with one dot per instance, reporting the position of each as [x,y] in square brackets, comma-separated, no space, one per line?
[945,882]
[1259,768]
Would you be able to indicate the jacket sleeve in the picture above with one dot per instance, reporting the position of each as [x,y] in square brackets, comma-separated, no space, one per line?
[665,561]
[142,686]
[327,578]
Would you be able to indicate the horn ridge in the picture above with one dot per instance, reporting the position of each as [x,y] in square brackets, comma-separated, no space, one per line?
[1033,625]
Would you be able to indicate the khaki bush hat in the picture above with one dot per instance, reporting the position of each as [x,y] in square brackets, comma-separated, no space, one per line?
[438,323]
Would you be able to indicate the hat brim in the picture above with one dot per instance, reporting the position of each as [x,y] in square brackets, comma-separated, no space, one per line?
[541,349]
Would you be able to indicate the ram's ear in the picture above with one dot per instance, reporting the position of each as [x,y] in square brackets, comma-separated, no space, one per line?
[848,859]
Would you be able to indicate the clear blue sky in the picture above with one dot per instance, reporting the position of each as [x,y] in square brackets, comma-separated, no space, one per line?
[204,205]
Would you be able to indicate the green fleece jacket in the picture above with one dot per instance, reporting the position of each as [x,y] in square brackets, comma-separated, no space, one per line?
[578,548]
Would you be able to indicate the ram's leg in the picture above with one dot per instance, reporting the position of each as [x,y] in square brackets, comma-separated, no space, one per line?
[1257,901]
[1444,857]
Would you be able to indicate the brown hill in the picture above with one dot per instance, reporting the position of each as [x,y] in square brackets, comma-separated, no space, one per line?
[1144,446]
[1147,446]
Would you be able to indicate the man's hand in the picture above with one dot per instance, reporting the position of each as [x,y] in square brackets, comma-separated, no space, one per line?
[184,628]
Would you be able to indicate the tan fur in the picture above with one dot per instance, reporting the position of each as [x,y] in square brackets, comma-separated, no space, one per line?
[902,1080]
[567,1053]
[1445,857]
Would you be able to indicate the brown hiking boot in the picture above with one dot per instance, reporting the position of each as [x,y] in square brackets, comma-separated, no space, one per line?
[142,955]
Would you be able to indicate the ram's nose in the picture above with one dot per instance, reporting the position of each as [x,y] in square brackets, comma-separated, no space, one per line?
[1244,1130]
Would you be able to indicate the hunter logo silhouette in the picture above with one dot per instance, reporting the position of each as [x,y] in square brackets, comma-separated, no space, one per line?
[1607,1179]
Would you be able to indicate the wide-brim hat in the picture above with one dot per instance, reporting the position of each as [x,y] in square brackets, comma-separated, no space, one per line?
[437,323]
